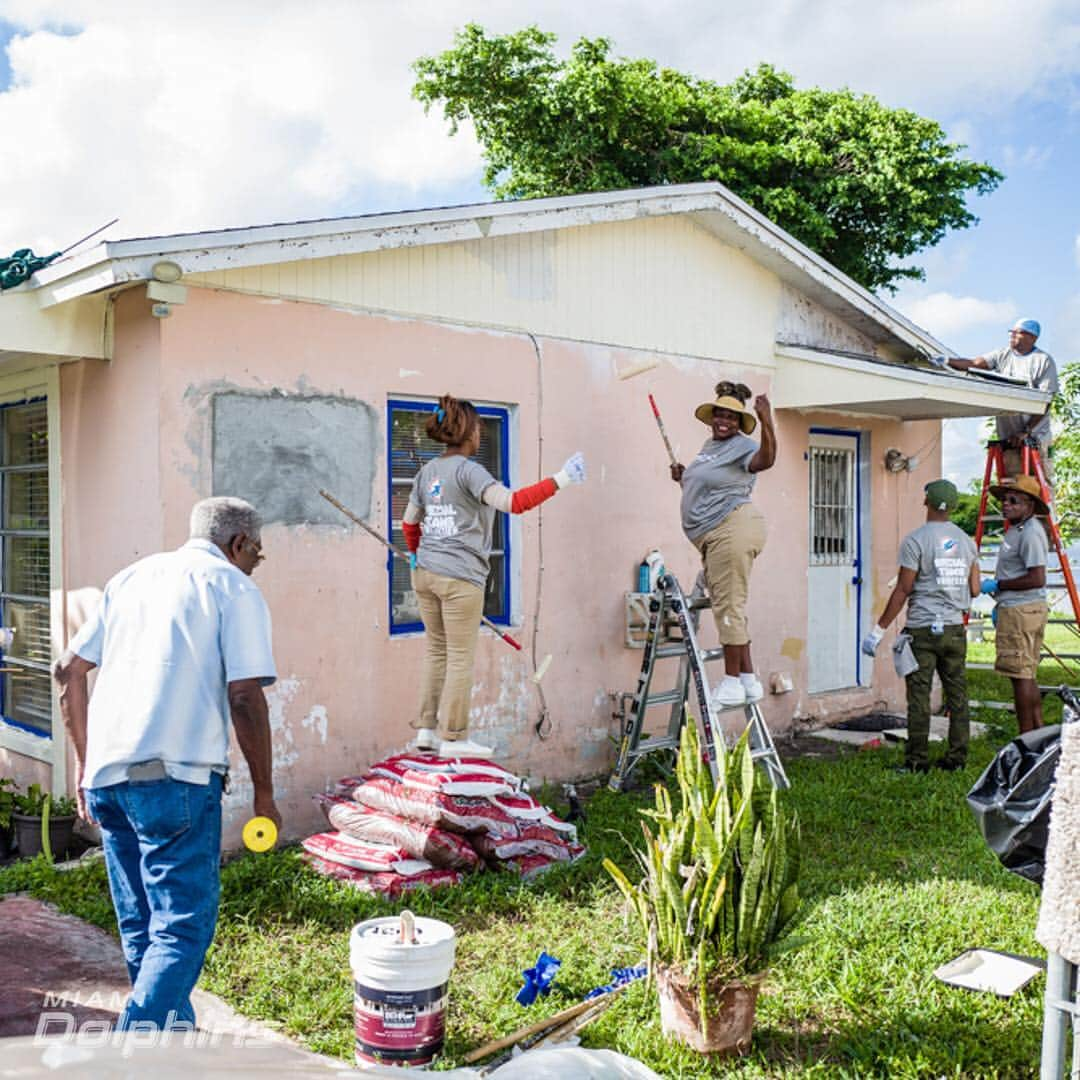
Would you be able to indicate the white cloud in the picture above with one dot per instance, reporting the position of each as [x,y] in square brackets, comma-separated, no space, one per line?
[1076,248]
[963,451]
[249,111]
[946,315]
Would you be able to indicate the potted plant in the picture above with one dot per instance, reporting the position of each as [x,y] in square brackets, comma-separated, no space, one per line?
[7,807]
[43,823]
[718,892]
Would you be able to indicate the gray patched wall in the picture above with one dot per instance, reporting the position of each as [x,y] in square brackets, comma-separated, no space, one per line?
[277,450]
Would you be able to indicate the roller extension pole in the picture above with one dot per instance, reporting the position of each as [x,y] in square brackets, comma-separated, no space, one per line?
[398,553]
[663,431]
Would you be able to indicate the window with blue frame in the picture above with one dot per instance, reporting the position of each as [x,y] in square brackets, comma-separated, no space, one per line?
[408,449]
[24,565]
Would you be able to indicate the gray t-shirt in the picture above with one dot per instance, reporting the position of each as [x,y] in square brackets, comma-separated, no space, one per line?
[1023,547]
[456,536]
[1040,372]
[716,482]
[941,554]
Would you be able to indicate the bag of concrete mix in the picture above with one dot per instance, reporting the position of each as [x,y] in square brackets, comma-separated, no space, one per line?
[390,885]
[476,785]
[532,839]
[460,814]
[443,849]
[361,855]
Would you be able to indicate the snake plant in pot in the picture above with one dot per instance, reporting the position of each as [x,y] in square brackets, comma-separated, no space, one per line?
[718,891]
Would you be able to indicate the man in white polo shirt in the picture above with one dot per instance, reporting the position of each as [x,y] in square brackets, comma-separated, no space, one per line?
[182,640]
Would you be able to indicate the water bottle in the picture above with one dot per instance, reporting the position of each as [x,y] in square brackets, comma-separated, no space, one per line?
[643,577]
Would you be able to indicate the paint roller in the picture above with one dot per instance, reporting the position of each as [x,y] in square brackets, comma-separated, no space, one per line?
[663,430]
[637,369]
[398,553]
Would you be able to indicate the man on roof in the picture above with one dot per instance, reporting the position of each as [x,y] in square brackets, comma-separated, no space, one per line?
[1020,359]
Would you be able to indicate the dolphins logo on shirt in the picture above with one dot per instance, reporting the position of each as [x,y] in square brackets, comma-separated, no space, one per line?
[435,490]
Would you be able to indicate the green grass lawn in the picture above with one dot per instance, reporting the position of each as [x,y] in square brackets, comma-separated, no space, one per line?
[896,881]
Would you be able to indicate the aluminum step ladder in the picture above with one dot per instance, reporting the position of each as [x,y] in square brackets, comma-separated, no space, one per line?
[669,607]
[1031,465]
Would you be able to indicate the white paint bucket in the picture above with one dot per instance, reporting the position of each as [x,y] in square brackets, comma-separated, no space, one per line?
[401,971]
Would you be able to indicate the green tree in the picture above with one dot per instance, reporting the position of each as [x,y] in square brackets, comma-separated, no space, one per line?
[861,184]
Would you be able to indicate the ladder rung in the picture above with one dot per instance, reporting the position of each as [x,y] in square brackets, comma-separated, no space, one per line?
[665,697]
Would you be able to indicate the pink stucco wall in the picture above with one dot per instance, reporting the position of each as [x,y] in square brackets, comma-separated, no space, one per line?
[137,453]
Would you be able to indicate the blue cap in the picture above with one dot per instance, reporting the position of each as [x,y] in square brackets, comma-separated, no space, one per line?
[1029,326]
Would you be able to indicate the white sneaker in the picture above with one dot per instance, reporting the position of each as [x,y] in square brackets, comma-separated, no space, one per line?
[728,693]
[752,685]
[463,748]
[426,741]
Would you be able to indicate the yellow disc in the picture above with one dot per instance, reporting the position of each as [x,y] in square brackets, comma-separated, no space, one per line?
[260,834]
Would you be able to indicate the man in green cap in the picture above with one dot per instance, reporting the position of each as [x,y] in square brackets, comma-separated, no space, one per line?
[939,574]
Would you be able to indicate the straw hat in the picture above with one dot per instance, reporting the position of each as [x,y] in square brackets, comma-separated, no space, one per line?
[1026,485]
[747,420]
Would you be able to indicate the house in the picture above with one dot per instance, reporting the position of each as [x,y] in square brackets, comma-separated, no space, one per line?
[269,362]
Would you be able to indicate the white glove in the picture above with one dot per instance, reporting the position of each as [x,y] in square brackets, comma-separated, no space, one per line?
[872,641]
[573,472]
[940,362]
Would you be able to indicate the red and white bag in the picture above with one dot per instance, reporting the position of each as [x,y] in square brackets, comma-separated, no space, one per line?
[475,766]
[451,812]
[471,785]
[336,847]
[442,849]
[501,848]
[529,866]
[523,807]
[391,886]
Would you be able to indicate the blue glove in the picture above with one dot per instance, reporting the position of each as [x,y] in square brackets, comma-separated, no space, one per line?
[993,616]
[989,587]
[872,641]
[412,560]
[538,979]
[940,362]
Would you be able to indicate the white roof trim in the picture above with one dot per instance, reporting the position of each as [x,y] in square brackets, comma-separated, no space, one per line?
[916,393]
[114,263]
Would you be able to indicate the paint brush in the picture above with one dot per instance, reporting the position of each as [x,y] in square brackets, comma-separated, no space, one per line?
[637,369]
[397,552]
[663,431]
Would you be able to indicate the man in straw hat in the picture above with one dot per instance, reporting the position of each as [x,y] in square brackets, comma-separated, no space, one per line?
[726,528]
[1019,586]
[939,574]
[1020,359]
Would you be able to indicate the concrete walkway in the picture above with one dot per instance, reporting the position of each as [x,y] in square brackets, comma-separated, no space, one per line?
[57,973]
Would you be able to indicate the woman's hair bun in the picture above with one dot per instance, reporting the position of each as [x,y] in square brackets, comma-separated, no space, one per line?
[739,391]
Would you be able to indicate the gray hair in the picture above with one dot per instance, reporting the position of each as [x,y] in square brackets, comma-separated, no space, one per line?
[221,518]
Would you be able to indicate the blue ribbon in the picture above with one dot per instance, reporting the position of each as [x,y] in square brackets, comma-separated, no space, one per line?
[619,977]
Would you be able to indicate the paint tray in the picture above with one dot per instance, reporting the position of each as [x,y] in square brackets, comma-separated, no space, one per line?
[986,969]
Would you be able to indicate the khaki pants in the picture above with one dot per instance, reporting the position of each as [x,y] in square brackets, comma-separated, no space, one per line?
[946,654]
[1014,464]
[728,553]
[451,611]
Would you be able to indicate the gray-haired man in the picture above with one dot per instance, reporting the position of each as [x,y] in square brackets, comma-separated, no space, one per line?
[182,640]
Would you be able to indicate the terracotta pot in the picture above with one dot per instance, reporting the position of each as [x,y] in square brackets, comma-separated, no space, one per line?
[28,834]
[729,1020]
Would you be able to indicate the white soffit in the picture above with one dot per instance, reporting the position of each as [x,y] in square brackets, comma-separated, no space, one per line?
[816,381]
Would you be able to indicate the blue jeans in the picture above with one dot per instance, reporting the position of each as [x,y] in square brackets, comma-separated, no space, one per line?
[162,841]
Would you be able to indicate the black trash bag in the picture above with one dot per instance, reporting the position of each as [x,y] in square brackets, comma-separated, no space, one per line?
[1011,801]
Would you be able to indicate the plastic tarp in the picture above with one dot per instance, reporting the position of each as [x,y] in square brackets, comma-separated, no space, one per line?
[1011,801]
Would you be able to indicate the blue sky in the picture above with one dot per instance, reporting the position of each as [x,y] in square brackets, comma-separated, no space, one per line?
[264,111]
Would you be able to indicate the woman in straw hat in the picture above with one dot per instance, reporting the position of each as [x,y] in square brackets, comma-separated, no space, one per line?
[721,522]
[1019,586]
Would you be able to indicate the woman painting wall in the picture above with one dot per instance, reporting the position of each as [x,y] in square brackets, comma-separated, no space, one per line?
[726,528]
[447,526]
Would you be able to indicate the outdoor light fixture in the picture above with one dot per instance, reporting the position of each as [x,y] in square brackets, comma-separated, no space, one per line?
[166,271]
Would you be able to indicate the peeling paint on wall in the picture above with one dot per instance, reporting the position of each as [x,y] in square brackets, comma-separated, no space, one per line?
[508,715]
[317,721]
[803,322]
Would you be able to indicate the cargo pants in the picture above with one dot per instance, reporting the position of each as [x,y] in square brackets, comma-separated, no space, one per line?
[945,653]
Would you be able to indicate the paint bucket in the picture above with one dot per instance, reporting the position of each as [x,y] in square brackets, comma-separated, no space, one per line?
[401,972]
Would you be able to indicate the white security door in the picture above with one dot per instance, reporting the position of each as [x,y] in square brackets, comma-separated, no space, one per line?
[834,571]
